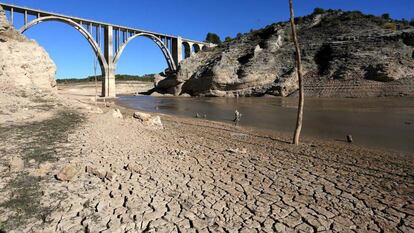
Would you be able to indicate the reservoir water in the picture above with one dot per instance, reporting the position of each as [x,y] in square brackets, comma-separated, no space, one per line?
[382,123]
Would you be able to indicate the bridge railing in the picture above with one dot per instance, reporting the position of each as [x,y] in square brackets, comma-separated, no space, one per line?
[40,13]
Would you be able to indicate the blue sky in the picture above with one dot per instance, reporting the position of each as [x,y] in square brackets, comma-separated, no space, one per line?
[188,18]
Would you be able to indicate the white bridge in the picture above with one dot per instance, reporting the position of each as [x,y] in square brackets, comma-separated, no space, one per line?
[108,41]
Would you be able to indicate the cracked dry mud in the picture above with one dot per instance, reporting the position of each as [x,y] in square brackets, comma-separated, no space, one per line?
[198,176]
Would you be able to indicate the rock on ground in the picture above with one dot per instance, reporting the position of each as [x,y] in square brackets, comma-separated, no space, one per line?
[67,173]
[116,113]
[148,120]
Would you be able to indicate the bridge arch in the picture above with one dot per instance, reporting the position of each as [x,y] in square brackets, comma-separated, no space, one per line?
[96,48]
[186,50]
[167,55]
[196,48]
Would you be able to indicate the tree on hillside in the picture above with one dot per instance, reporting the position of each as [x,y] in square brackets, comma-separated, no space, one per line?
[227,39]
[299,119]
[385,16]
[213,38]
[318,11]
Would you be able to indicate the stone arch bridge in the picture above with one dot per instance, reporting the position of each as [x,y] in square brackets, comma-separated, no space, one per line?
[108,41]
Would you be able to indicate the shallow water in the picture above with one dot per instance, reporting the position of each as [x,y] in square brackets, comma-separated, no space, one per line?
[382,123]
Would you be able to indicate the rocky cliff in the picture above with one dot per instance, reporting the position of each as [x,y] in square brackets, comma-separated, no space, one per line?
[24,65]
[27,76]
[345,54]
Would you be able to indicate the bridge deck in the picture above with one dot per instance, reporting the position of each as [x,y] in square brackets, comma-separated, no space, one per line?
[40,13]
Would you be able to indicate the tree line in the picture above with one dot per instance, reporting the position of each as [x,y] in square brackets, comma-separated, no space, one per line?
[118,77]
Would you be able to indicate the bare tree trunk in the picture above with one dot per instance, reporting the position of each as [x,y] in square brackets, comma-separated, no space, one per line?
[299,71]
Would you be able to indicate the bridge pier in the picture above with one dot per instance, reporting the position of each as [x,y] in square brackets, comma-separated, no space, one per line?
[108,82]
[177,50]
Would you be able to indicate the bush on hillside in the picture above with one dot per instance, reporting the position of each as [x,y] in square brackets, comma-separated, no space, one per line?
[318,11]
[386,16]
[213,38]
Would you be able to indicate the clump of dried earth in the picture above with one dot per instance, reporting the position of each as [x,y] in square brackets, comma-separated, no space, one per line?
[345,54]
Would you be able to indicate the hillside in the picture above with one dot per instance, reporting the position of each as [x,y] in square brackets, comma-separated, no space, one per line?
[345,54]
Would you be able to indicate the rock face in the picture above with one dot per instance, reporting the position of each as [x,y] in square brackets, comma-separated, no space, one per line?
[344,54]
[24,65]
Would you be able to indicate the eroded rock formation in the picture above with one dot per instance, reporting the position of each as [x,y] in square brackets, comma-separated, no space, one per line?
[24,65]
[345,54]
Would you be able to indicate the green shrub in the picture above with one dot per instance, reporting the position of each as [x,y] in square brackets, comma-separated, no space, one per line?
[385,16]
[227,39]
[318,11]
[299,20]
[2,228]
[404,22]
[213,38]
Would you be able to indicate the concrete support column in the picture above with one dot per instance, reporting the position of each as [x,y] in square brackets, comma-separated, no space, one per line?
[108,85]
[12,16]
[191,49]
[25,18]
[177,50]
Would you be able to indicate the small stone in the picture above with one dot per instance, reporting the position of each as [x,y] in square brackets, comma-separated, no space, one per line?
[233,151]
[142,116]
[100,206]
[148,120]
[116,113]
[133,168]
[154,121]
[95,172]
[349,138]
[110,176]
[67,173]
[237,151]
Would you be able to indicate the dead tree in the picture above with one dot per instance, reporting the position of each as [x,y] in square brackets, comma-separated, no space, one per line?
[301,103]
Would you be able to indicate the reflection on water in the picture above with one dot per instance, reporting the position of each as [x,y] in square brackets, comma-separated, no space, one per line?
[376,122]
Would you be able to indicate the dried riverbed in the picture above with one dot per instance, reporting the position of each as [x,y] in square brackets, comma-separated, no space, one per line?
[201,176]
